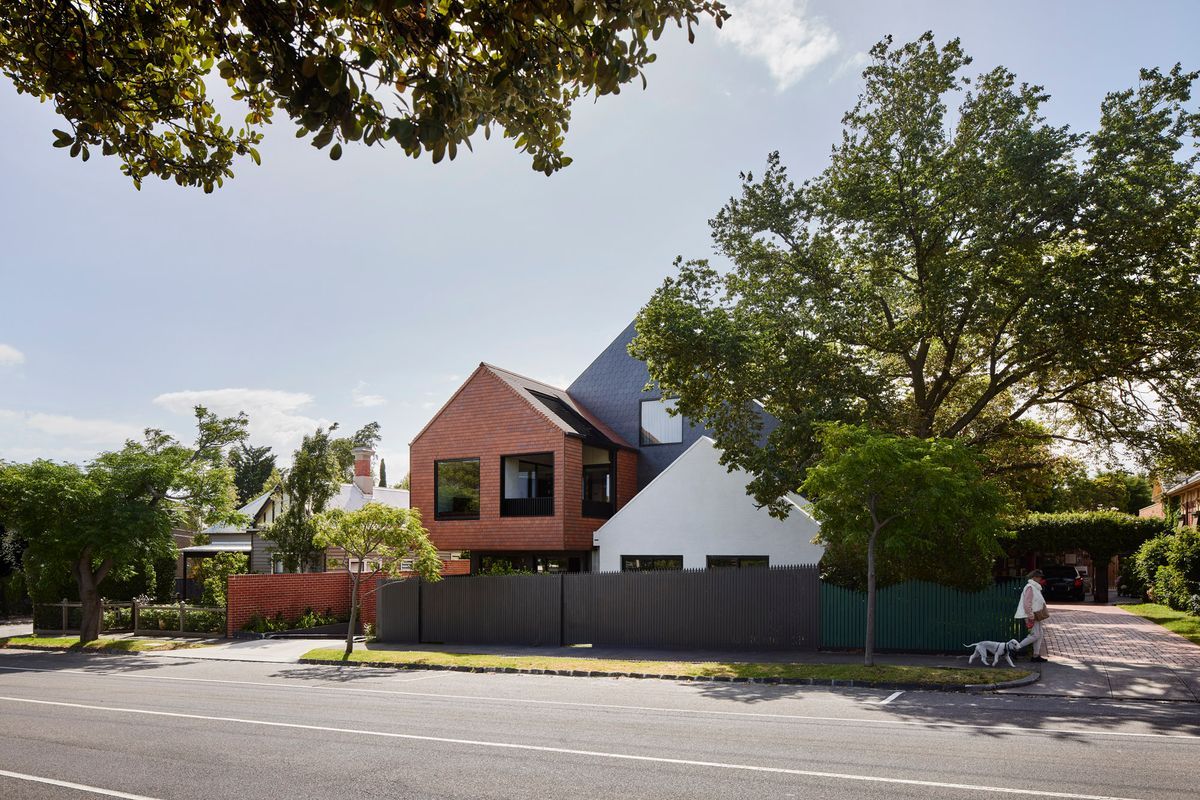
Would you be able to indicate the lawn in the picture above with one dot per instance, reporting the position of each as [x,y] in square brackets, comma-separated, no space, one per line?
[1180,622]
[72,643]
[889,674]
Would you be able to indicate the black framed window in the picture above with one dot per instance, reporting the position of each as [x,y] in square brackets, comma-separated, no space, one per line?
[738,562]
[527,485]
[658,426]
[456,488]
[650,563]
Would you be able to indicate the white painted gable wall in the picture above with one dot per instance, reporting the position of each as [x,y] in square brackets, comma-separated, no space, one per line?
[696,509]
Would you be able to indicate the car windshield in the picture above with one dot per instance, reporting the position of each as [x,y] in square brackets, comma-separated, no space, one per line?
[1060,572]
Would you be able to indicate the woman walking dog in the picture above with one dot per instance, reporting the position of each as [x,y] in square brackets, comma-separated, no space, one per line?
[1032,609]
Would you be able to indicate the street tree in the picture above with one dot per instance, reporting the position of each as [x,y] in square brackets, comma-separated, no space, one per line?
[304,490]
[118,510]
[132,79]
[382,535]
[252,469]
[904,501]
[951,274]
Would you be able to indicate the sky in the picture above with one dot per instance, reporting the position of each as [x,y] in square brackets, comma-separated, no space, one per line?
[307,292]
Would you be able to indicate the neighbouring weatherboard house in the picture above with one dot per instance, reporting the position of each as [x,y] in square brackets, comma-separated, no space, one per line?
[263,510]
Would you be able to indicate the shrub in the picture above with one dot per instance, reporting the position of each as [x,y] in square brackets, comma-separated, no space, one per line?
[1129,580]
[1170,588]
[259,623]
[1150,556]
[213,574]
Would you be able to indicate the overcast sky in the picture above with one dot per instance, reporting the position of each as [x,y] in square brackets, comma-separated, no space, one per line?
[307,291]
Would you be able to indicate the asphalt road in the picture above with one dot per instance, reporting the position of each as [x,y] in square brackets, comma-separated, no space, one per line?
[180,728]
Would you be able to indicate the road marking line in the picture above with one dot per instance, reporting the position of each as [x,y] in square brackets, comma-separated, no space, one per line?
[78,786]
[890,698]
[931,725]
[569,751]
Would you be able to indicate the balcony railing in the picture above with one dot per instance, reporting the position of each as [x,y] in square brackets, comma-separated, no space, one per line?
[527,507]
[600,509]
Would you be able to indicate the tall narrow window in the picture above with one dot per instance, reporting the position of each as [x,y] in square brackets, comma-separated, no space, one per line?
[456,484]
[659,426]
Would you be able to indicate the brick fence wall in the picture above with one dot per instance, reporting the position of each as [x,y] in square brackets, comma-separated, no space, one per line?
[292,595]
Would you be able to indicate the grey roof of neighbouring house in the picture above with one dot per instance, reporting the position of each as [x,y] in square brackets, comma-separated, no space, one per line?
[250,510]
[232,546]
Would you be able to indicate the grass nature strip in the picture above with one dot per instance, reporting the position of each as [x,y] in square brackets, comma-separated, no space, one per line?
[884,674]
[1181,622]
[111,645]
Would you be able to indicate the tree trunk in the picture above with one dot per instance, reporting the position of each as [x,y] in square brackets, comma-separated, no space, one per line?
[354,578]
[89,596]
[1100,579]
[869,643]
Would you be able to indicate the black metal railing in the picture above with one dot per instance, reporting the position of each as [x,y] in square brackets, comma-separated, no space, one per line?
[527,507]
[600,509]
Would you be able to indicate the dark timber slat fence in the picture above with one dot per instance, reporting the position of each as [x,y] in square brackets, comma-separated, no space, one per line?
[919,617]
[731,609]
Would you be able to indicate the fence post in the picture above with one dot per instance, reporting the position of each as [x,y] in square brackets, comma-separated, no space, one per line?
[181,616]
[133,616]
[64,616]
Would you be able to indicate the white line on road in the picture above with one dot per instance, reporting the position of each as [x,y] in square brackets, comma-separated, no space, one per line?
[890,698]
[77,786]
[928,725]
[589,753]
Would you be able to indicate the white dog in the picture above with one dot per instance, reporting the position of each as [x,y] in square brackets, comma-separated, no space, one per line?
[995,649]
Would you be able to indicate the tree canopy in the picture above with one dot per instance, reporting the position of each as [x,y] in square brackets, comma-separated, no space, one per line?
[120,508]
[132,79]
[954,274]
[305,489]
[384,535]
[918,507]
[1103,534]
[252,470]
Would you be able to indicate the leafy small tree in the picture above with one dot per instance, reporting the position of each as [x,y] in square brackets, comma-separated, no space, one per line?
[213,573]
[131,78]
[905,499]
[1103,534]
[120,508]
[366,436]
[305,489]
[381,534]
[252,469]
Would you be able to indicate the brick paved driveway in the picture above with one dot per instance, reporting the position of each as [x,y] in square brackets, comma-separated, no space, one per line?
[1109,634]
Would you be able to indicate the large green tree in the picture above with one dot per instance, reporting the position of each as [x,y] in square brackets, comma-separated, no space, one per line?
[131,79]
[120,508]
[306,486]
[952,273]
[252,469]
[905,502]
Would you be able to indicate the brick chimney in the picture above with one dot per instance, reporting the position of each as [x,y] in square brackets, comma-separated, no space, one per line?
[362,470]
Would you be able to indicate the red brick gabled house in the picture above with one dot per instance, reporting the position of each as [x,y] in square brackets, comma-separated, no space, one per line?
[516,470]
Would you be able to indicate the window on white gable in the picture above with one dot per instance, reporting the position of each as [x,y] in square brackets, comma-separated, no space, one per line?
[659,426]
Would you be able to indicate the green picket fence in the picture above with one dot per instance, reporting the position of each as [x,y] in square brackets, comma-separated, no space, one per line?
[919,617]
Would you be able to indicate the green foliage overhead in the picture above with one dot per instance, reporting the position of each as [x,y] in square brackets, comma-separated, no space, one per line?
[919,507]
[1103,534]
[119,510]
[133,79]
[252,469]
[952,273]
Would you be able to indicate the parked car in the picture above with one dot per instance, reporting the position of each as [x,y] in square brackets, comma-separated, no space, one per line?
[1063,582]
